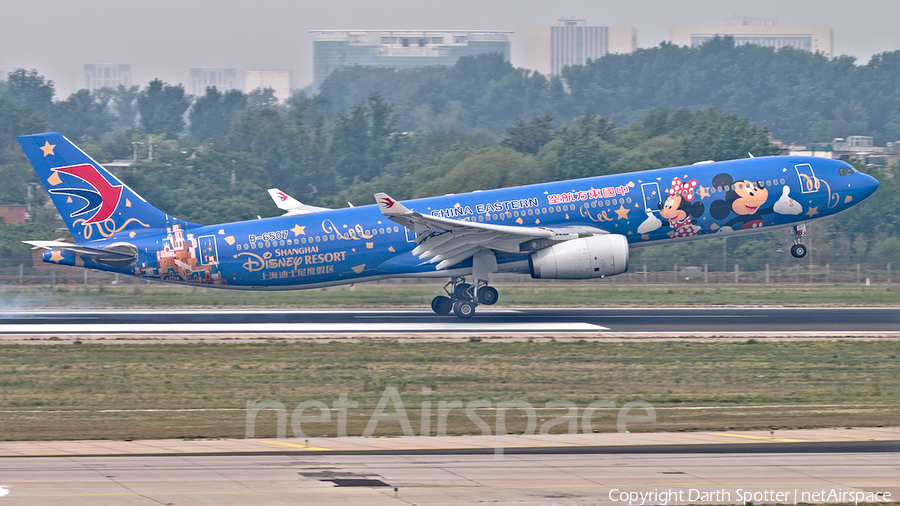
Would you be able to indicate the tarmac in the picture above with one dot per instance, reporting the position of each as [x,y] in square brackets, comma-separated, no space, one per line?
[436,444]
[789,466]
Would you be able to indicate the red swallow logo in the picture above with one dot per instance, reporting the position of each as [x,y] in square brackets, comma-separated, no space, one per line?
[105,198]
[283,196]
[388,202]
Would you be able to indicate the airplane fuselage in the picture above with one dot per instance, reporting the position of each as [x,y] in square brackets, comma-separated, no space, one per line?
[360,244]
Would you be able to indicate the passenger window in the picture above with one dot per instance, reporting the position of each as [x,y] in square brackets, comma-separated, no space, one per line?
[782,180]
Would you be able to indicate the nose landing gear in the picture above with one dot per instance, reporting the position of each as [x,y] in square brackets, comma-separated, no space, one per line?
[798,250]
[462,298]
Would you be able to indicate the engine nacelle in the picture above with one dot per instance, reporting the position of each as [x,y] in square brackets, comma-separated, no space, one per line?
[590,257]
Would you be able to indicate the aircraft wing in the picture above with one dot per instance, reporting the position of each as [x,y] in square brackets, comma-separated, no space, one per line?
[292,205]
[106,254]
[446,241]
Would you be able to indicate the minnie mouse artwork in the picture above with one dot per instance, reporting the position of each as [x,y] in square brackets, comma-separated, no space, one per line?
[680,209]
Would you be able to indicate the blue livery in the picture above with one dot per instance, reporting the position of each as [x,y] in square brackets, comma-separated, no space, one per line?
[576,229]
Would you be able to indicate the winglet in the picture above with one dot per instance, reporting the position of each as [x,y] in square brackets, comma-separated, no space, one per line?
[283,200]
[293,206]
[388,206]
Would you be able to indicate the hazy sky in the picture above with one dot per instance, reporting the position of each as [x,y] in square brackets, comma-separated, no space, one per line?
[163,38]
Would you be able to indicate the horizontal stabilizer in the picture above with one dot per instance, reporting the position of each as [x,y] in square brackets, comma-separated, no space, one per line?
[84,250]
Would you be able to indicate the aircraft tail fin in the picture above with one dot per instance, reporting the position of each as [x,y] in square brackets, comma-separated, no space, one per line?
[93,202]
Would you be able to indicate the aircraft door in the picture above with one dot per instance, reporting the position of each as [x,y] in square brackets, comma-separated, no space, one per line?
[652,198]
[207,251]
[809,183]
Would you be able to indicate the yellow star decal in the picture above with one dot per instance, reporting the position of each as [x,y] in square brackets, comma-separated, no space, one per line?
[622,212]
[812,211]
[298,230]
[704,192]
[48,148]
[55,256]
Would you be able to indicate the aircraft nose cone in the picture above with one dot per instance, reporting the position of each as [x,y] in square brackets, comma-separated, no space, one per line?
[870,184]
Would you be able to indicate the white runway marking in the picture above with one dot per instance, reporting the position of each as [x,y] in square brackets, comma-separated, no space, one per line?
[299,328]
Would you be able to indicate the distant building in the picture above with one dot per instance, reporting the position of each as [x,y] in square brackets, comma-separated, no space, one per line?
[106,75]
[863,148]
[6,71]
[222,79]
[573,42]
[13,213]
[278,80]
[854,147]
[400,49]
[760,31]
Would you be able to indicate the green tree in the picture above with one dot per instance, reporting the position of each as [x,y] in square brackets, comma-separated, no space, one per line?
[261,98]
[15,171]
[212,114]
[529,138]
[125,101]
[83,115]
[488,168]
[28,88]
[362,145]
[162,107]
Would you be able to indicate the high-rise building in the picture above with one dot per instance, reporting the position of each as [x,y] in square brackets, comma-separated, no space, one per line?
[106,75]
[222,79]
[572,42]
[400,49]
[762,31]
[278,80]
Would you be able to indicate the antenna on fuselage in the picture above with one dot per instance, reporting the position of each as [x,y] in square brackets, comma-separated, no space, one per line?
[751,154]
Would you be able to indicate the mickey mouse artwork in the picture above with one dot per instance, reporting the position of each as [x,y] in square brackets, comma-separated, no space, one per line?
[746,199]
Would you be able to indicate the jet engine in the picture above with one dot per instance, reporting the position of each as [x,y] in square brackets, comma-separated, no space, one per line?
[590,257]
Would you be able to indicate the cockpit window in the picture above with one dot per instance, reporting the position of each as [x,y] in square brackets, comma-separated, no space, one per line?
[846,171]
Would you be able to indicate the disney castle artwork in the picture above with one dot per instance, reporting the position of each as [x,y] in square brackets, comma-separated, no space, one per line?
[183,257]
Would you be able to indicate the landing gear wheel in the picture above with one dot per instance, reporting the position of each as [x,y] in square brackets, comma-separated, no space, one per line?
[462,291]
[488,295]
[441,305]
[463,309]
[798,250]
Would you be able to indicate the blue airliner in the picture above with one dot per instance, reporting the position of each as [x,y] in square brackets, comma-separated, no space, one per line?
[576,229]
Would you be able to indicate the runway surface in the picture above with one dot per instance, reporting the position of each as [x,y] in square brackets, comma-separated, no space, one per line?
[454,479]
[684,321]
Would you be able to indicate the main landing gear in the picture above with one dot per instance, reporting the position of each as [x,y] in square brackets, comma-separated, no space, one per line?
[797,232]
[462,298]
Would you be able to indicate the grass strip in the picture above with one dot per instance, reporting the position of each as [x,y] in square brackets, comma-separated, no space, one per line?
[202,390]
